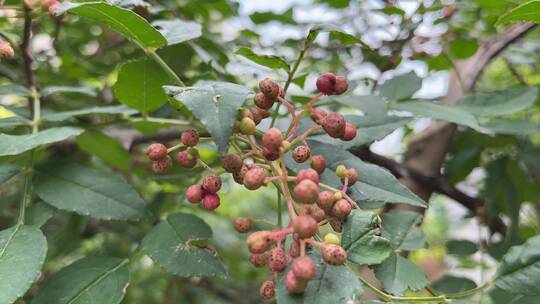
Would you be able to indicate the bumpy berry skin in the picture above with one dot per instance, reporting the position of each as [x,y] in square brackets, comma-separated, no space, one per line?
[269,87]
[318,163]
[341,208]
[6,51]
[305,226]
[259,241]
[231,163]
[247,126]
[254,178]
[162,165]
[304,268]
[258,114]
[334,124]
[301,153]
[210,201]
[184,159]
[294,285]
[331,238]
[156,151]
[258,259]
[267,290]
[242,224]
[352,175]
[350,132]
[306,191]
[325,200]
[263,101]
[211,183]
[190,138]
[194,194]
[270,155]
[277,260]
[341,85]
[318,214]
[272,139]
[334,254]
[326,82]
[307,174]
[239,175]
[317,115]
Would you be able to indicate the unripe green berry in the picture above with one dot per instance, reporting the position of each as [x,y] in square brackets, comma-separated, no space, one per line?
[341,170]
[331,238]
[247,126]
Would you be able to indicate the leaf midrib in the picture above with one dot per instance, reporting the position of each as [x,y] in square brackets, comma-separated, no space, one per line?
[97,281]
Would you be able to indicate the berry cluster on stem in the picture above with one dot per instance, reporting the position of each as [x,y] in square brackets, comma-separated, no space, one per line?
[258,160]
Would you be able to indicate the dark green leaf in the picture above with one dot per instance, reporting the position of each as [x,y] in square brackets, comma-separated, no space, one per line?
[375,184]
[403,230]
[88,192]
[401,86]
[461,247]
[91,280]
[63,90]
[140,85]
[14,89]
[172,244]
[529,11]
[178,31]
[440,112]
[462,49]
[38,214]
[17,144]
[335,33]
[126,22]
[106,148]
[215,104]
[499,296]
[344,38]
[300,80]
[7,171]
[499,102]
[519,272]
[14,121]
[22,253]
[332,284]
[273,62]
[398,275]
[450,284]
[461,162]
[370,105]
[391,10]
[512,127]
[264,17]
[60,116]
[361,241]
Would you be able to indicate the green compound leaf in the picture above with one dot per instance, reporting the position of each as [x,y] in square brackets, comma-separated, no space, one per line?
[398,275]
[215,104]
[124,21]
[88,192]
[273,62]
[172,244]
[401,86]
[139,85]
[361,241]
[519,272]
[90,280]
[22,253]
[403,230]
[17,144]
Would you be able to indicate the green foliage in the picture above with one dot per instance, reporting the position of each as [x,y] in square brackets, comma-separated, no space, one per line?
[401,228]
[361,241]
[398,274]
[437,111]
[139,85]
[173,244]
[529,11]
[401,86]
[89,280]
[215,104]
[22,252]
[17,144]
[273,62]
[88,192]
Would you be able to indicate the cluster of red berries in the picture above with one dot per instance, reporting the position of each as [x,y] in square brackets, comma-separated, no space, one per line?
[258,160]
